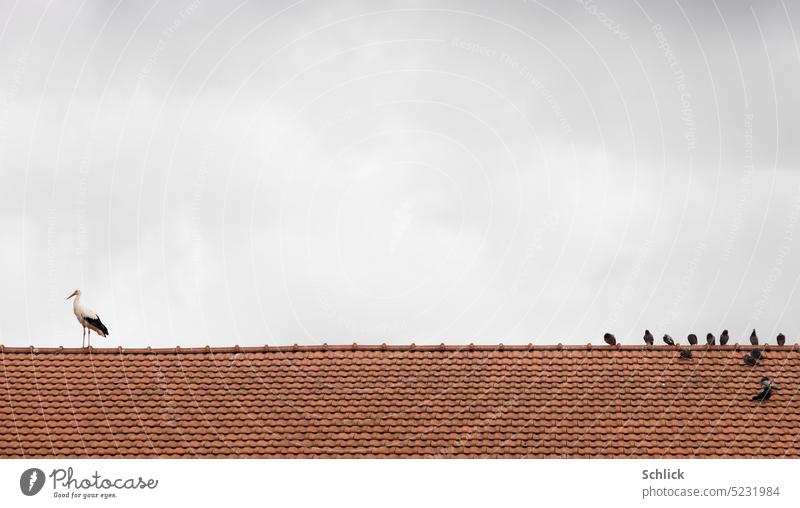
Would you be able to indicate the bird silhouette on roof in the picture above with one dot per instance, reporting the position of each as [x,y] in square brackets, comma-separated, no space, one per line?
[710,339]
[753,357]
[692,338]
[723,338]
[686,354]
[668,340]
[754,338]
[766,390]
[610,339]
[781,339]
[648,338]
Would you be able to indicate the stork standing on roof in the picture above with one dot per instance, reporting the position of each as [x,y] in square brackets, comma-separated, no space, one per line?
[87,318]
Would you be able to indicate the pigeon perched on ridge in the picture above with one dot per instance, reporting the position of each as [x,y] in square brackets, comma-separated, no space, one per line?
[686,354]
[754,338]
[723,339]
[766,390]
[648,338]
[610,339]
[692,338]
[668,340]
[781,339]
[710,339]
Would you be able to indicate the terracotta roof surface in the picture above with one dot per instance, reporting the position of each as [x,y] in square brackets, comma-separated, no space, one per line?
[378,401]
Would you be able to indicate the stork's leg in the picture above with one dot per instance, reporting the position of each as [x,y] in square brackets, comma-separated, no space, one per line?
[83,338]
[90,337]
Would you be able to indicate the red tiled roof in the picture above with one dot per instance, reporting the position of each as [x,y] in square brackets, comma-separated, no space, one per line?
[389,401]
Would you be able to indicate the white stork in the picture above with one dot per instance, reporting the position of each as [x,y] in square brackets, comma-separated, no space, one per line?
[87,318]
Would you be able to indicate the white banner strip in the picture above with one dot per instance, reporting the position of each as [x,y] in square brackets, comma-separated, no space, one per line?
[382,483]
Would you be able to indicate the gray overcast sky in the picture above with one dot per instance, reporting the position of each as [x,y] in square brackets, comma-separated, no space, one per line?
[213,172]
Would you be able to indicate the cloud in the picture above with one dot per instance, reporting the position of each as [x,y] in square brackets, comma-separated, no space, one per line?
[368,172]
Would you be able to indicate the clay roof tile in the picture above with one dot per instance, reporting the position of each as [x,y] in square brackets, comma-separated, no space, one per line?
[397,401]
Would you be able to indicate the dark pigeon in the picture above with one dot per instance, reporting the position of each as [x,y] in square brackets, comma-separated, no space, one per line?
[686,354]
[766,390]
[749,360]
[754,338]
[610,339]
[757,354]
[710,339]
[648,338]
[723,339]
[781,339]
[692,338]
[668,340]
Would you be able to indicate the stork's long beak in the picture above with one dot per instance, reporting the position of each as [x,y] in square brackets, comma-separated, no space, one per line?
[73,294]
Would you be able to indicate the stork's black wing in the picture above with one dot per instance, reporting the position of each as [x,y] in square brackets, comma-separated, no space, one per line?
[95,322]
